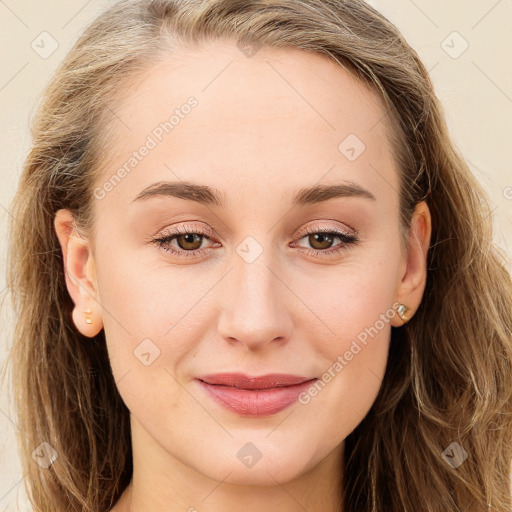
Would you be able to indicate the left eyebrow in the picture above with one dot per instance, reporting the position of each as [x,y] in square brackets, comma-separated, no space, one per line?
[319,193]
[206,195]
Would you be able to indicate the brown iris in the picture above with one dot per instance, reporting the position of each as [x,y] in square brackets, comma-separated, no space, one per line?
[189,239]
[322,239]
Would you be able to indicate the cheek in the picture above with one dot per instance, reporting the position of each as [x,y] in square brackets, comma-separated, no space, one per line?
[153,318]
[143,296]
[354,358]
[351,332]
[350,300]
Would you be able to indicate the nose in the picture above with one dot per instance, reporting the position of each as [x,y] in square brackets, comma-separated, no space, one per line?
[253,306]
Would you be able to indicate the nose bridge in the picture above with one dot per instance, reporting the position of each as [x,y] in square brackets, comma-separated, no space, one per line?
[253,311]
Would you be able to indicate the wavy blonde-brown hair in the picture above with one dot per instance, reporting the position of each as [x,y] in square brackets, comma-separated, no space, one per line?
[449,374]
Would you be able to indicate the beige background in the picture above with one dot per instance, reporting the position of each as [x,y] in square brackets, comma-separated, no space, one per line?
[475,88]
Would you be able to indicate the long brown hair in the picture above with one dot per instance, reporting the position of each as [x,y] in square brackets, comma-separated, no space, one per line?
[449,374]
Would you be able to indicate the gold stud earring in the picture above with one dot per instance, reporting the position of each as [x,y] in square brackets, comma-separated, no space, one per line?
[402,311]
[88,319]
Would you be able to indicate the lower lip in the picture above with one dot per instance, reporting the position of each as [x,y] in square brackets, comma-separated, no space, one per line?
[258,402]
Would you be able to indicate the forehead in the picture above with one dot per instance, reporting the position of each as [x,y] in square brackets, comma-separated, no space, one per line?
[279,116]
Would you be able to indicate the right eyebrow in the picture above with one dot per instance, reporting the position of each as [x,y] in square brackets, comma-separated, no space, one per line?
[183,190]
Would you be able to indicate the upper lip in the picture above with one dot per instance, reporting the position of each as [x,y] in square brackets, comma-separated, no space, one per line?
[242,381]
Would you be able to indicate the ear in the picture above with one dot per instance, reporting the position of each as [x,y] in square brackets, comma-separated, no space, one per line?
[413,277]
[80,274]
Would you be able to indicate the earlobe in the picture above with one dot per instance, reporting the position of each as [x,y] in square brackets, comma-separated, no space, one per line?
[79,272]
[412,285]
[87,321]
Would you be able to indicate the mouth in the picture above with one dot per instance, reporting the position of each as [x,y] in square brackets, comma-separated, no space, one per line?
[242,381]
[254,396]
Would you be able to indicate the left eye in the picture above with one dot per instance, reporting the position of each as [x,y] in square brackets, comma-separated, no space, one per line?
[189,242]
[322,241]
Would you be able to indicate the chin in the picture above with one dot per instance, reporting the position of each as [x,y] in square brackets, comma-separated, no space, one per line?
[274,465]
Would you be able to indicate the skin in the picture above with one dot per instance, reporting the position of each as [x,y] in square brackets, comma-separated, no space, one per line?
[263,128]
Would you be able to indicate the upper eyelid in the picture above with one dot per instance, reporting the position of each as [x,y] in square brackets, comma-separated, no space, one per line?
[329,229]
[185,228]
[206,231]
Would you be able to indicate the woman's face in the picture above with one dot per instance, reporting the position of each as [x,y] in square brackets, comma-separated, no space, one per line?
[293,146]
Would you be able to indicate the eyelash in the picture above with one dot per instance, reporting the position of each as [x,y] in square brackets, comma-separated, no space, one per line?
[163,242]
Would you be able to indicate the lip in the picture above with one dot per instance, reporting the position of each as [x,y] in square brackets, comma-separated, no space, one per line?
[254,396]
